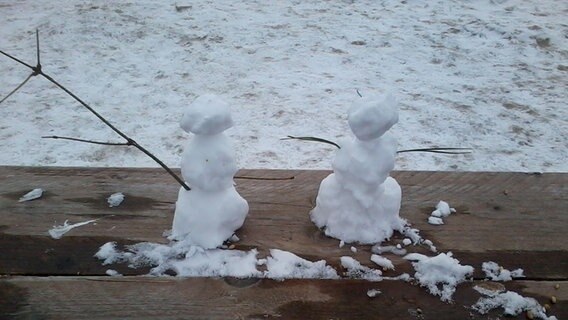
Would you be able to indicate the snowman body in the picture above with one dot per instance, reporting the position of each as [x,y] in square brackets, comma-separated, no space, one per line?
[359,201]
[212,210]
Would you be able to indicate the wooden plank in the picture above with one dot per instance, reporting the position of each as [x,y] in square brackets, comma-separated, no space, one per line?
[515,219]
[200,298]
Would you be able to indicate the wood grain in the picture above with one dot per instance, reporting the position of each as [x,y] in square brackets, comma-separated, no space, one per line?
[515,219]
[199,298]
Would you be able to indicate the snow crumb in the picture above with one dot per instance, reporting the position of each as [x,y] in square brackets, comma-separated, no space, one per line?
[373,293]
[435,221]
[385,263]
[495,272]
[512,303]
[286,265]
[109,254]
[378,249]
[353,249]
[406,242]
[234,238]
[32,195]
[357,271]
[443,210]
[431,272]
[115,199]
[113,273]
[402,277]
[341,243]
[58,231]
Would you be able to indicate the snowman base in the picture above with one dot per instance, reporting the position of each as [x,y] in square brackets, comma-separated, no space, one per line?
[354,217]
[206,218]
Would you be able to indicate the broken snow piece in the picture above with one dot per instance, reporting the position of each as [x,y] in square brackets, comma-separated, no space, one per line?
[442,210]
[234,238]
[431,272]
[113,273]
[495,272]
[511,302]
[353,249]
[382,262]
[58,231]
[286,265]
[378,249]
[341,243]
[357,271]
[435,221]
[115,199]
[406,242]
[32,195]
[373,293]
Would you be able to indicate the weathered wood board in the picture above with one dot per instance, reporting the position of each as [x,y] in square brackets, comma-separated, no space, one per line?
[515,219]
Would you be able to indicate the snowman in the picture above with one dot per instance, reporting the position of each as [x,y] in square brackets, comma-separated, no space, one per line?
[359,201]
[212,210]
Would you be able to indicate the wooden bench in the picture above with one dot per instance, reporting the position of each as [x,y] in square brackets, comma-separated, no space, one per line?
[515,219]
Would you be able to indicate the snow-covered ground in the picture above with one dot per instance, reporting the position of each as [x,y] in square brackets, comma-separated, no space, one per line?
[489,74]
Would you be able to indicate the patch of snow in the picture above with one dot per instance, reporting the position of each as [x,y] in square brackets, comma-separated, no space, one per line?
[184,259]
[373,293]
[353,249]
[58,231]
[383,262]
[113,273]
[286,265]
[494,272]
[234,238]
[378,249]
[341,243]
[435,221]
[406,242]
[511,302]
[403,277]
[465,71]
[439,271]
[115,199]
[357,271]
[443,210]
[32,195]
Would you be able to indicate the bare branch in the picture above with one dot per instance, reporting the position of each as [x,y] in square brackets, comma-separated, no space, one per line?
[17,88]
[88,141]
[359,93]
[130,142]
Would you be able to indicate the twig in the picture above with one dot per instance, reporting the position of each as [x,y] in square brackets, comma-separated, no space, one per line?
[38,71]
[433,150]
[17,88]
[269,179]
[315,139]
[359,93]
[89,141]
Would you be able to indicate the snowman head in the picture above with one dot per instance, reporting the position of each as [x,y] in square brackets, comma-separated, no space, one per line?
[207,115]
[370,117]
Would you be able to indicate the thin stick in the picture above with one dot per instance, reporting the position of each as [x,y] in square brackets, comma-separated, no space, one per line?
[88,141]
[38,71]
[269,179]
[314,139]
[17,88]
[432,150]
[359,93]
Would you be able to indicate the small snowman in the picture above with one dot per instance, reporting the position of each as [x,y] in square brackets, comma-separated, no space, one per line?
[212,210]
[359,201]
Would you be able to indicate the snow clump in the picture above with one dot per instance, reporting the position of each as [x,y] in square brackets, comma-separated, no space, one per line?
[495,272]
[32,195]
[115,199]
[286,265]
[512,303]
[442,210]
[441,270]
